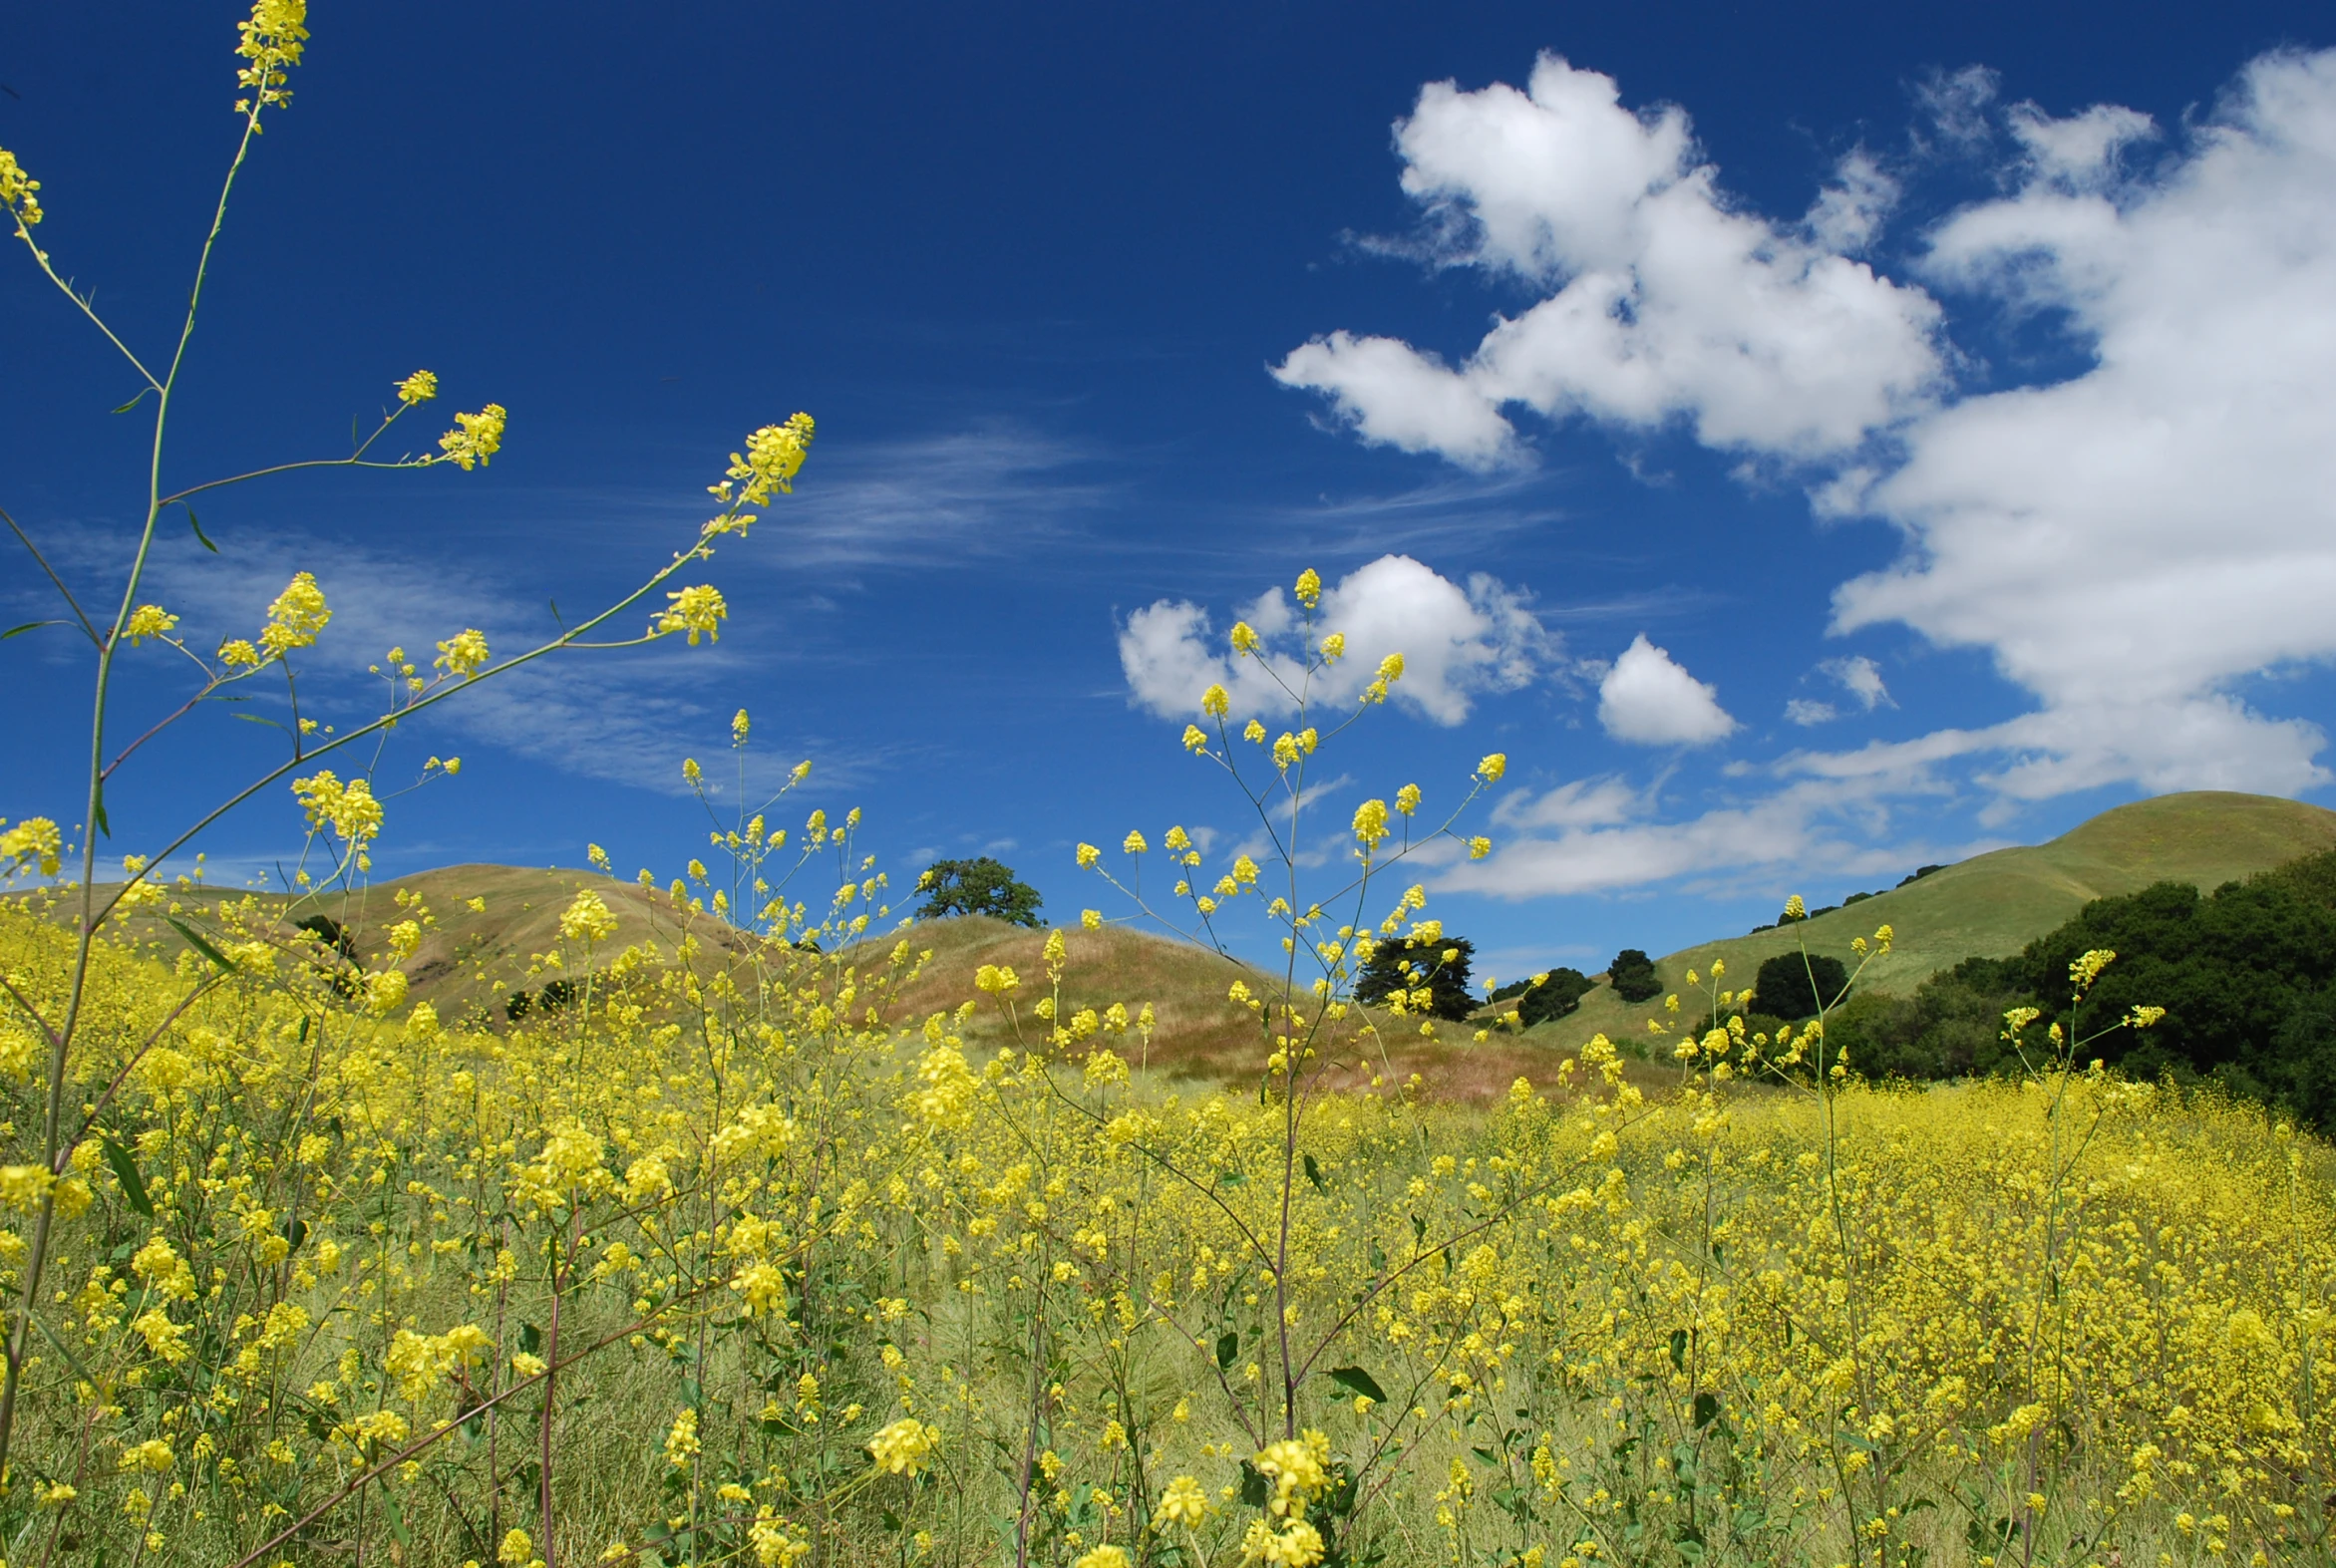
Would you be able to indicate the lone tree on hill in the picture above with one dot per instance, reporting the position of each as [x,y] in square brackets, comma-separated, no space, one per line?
[977,887]
[1399,966]
[1633,977]
[1791,987]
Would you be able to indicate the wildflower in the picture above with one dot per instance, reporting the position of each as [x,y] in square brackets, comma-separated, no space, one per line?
[463,654]
[681,1443]
[1493,767]
[298,615]
[1794,909]
[1244,638]
[1334,647]
[587,919]
[1134,843]
[1215,701]
[694,610]
[474,440]
[1479,847]
[417,388]
[773,456]
[147,620]
[902,1447]
[238,653]
[2088,967]
[271,40]
[152,1457]
[1391,667]
[16,193]
[1184,1504]
[33,841]
[996,979]
[1309,587]
[516,1551]
[1370,823]
[1090,919]
[23,1187]
[1195,737]
[2142,1017]
[1101,1557]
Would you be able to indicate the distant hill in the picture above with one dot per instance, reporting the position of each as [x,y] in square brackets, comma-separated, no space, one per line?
[1993,905]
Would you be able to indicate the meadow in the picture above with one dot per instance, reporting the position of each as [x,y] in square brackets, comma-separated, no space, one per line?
[797,1233]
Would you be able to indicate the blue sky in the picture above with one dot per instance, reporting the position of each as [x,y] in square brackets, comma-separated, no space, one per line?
[1811,441]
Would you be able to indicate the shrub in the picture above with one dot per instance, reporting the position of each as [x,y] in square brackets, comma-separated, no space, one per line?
[1560,992]
[1797,986]
[1632,975]
[1432,976]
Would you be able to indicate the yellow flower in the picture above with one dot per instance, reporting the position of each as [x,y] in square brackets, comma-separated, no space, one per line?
[902,1447]
[1134,843]
[35,840]
[1195,738]
[1246,638]
[1493,767]
[236,651]
[294,619]
[516,1551]
[1101,1557]
[1479,847]
[1090,919]
[694,610]
[23,1187]
[147,620]
[1794,909]
[16,192]
[1334,647]
[587,919]
[153,1456]
[2088,967]
[1391,667]
[1370,823]
[474,440]
[463,654]
[996,979]
[271,40]
[681,1443]
[1407,799]
[738,726]
[1088,856]
[420,387]
[1184,1504]
[1309,587]
[1216,703]
[774,454]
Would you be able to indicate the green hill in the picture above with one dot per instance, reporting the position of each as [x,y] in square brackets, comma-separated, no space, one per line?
[1995,904]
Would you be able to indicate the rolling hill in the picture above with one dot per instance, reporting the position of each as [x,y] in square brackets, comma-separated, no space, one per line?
[1995,904]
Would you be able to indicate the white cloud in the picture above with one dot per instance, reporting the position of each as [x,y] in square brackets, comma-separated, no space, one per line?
[1861,677]
[1457,642]
[1808,711]
[2132,541]
[1649,698]
[1663,299]
[1814,827]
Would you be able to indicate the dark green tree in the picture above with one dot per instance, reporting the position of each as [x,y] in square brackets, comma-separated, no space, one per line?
[977,887]
[1791,986]
[1633,977]
[1558,993]
[1402,966]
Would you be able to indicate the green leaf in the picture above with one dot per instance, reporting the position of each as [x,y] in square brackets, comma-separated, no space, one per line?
[252,718]
[29,626]
[1707,1407]
[134,401]
[102,826]
[397,1519]
[1228,1346]
[126,1171]
[530,1338]
[200,537]
[201,944]
[1355,1380]
[1314,1174]
[1679,1349]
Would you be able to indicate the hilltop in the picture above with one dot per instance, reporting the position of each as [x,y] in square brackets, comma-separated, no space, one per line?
[1995,904]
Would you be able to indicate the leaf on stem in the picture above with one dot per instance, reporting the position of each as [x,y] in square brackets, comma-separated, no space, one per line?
[196,940]
[125,1167]
[1356,1381]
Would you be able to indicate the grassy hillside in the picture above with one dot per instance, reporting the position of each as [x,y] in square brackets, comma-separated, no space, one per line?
[1995,904]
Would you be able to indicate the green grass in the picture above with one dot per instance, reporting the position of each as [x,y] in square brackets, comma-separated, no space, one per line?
[1995,904]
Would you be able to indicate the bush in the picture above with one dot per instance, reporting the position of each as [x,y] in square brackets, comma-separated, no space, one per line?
[1560,992]
[1797,986]
[1633,977]
[1437,965]
[980,886]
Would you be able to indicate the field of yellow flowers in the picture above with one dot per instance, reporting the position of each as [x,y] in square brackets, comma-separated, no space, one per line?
[732,1263]
[761,1250]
